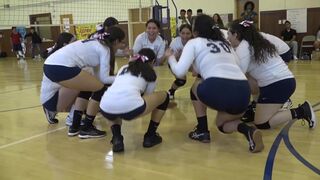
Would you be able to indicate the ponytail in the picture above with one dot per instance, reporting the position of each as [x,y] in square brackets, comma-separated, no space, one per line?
[141,65]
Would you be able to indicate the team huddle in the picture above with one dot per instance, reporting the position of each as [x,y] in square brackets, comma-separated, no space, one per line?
[229,67]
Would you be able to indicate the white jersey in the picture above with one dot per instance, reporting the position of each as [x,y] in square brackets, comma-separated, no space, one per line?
[275,69]
[280,45]
[209,58]
[89,56]
[142,41]
[176,44]
[124,95]
[88,53]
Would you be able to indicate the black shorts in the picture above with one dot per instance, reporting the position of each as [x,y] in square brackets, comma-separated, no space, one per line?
[126,116]
[278,92]
[231,96]
[57,73]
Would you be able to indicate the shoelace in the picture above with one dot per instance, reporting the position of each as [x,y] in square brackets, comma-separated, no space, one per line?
[251,143]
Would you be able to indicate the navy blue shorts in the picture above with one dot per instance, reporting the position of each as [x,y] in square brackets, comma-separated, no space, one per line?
[126,116]
[57,73]
[288,56]
[51,104]
[17,47]
[231,96]
[278,92]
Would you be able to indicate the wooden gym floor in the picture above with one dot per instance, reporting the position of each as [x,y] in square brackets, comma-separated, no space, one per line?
[30,148]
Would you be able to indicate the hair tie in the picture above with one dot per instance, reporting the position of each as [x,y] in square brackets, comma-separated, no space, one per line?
[215,27]
[246,23]
[139,57]
[103,36]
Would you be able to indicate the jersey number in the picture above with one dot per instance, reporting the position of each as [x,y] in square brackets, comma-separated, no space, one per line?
[216,49]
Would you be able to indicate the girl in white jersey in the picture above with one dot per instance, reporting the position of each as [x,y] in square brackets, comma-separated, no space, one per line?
[131,95]
[259,58]
[63,70]
[286,54]
[151,39]
[222,86]
[177,44]
[282,47]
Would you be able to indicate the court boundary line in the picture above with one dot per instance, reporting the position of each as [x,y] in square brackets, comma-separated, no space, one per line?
[18,90]
[30,138]
[17,109]
[283,135]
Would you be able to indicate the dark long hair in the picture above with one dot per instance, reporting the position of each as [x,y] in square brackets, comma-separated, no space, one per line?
[188,26]
[142,65]
[156,22]
[113,33]
[63,38]
[108,22]
[220,22]
[205,28]
[261,46]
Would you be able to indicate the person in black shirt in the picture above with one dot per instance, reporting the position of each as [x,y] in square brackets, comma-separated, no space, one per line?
[289,36]
[35,41]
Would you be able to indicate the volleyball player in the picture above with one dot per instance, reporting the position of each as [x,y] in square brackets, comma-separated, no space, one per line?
[100,29]
[286,54]
[64,77]
[222,85]
[259,58]
[132,95]
[177,44]
[151,39]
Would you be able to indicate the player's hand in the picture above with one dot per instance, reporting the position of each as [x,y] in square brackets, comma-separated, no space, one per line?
[168,53]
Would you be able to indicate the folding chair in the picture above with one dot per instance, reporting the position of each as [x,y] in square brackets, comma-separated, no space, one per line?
[306,42]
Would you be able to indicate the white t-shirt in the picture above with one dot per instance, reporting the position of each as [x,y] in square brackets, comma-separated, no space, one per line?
[86,55]
[176,44]
[281,46]
[275,69]
[124,95]
[142,41]
[209,59]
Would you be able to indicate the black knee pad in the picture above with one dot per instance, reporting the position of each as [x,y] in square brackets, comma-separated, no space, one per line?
[98,94]
[180,82]
[192,96]
[164,105]
[85,94]
[265,125]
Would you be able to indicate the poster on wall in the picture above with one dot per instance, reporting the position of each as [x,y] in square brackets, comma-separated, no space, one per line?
[173,27]
[66,24]
[83,31]
[298,19]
